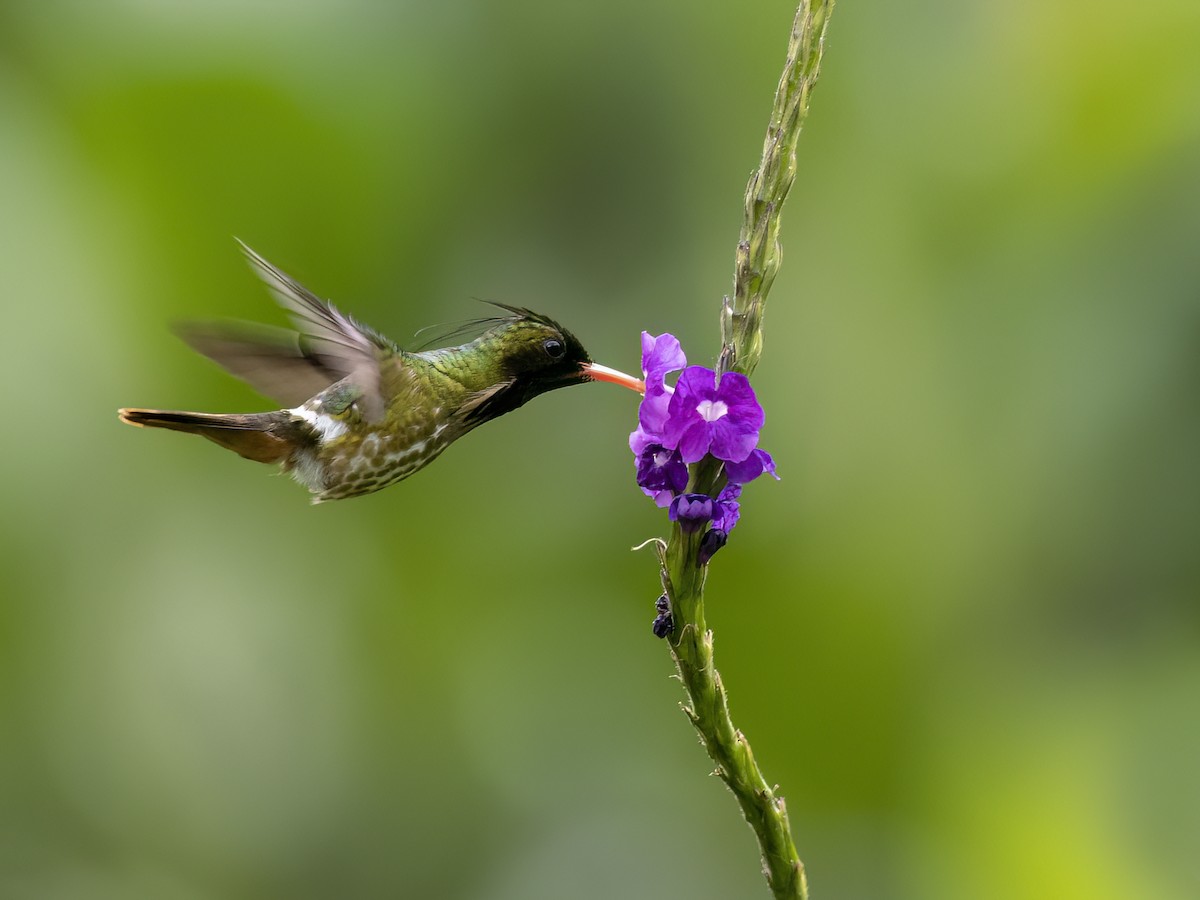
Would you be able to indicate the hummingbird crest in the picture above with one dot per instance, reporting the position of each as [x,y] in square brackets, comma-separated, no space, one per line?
[359,412]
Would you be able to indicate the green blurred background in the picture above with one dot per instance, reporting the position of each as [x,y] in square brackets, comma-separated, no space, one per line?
[963,633]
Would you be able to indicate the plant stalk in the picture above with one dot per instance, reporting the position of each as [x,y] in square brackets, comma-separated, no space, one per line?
[756,264]
[759,253]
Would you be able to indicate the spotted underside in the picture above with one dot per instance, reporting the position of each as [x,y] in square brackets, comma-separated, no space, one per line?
[425,410]
[361,462]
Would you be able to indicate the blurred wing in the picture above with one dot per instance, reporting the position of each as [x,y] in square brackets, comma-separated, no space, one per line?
[339,344]
[270,360]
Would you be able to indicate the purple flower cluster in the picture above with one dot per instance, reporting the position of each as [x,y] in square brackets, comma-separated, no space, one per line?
[700,416]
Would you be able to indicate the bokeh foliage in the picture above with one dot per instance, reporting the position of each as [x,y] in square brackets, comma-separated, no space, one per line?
[963,632]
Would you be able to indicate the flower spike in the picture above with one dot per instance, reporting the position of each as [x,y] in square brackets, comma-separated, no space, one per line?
[700,418]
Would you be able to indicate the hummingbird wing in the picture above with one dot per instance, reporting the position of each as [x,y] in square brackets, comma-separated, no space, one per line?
[271,360]
[331,343]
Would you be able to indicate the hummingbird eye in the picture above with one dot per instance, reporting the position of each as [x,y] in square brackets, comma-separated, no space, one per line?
[554,348]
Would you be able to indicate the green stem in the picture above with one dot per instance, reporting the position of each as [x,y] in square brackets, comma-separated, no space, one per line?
[757,261]
[758,251]
[708,710]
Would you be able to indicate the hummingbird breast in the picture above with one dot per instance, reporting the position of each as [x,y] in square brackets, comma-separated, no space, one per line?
[367,460]
[351,455]
[428,400]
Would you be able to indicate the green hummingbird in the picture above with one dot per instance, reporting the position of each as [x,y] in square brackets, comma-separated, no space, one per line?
[359,412]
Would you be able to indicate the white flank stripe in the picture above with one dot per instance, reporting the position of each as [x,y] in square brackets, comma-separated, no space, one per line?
[325,425]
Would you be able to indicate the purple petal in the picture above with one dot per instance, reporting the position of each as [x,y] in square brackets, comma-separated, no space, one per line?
[694,441]
[737,394]
[677,473]
[648,342]
[751,467]
[691,511]
[662,499]
[659,469]
[641,439]
[660,355]
[768,463]
[652,413]
[697,383]
[726,514]
[649,473]
[726,508]
[676,423]
[745,471]
[732,441]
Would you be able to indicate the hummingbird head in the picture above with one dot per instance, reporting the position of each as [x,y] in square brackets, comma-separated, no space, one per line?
[535,355]
[538,354]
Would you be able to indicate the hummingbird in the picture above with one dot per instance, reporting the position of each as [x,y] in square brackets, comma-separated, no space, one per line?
[359,413]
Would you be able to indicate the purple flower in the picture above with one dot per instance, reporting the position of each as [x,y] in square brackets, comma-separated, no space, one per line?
[652,414]
[705,417]
[700,416]
[691,511]
[662,499]
[661,473]
[641,439]
[659,468]
[660,356]
[751,467]
[726,509]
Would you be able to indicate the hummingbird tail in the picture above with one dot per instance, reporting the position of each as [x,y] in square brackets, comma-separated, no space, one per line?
[262,437]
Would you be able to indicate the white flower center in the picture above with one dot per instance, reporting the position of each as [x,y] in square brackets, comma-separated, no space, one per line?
[661,458]
[711,410]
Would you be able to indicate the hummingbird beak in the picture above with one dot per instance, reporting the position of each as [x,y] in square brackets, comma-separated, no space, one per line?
[597,372]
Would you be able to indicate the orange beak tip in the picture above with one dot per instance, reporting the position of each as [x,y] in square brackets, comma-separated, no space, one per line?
[598,372]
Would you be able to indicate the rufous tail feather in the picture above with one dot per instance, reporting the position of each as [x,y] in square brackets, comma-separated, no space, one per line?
[262,437]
